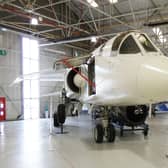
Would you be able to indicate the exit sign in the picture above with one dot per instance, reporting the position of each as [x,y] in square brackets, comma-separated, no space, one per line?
[3,52]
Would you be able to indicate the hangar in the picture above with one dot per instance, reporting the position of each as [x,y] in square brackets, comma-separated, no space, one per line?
[101,63]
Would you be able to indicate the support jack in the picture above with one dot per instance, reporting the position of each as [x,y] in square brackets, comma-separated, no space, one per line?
[62,130]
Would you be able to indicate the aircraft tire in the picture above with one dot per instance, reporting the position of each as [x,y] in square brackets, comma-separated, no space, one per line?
[146,130]
[55,118]
[111,133]
[99,133]
[61,113]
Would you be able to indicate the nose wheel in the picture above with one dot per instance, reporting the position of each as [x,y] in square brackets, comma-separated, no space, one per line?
[146,130]
[99,133]
[108,132]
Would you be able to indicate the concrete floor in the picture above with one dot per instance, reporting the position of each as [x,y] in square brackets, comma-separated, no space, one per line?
[25,144]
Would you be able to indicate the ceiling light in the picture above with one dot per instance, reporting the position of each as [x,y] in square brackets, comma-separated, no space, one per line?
[3,29]
[29,10]
[55,51]
[162,39]
[93,39]
[92,3]
[40,19]
[157,30]
[34,21]
[159,33]
[113,1]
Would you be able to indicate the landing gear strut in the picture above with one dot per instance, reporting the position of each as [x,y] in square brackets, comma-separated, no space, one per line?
[104,126]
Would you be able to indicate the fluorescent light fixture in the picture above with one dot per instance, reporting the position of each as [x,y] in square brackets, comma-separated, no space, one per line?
[93,39]
[92,3]
[159,33]
[3,29]
[162,39]
[40,19]
[34,21]
[55,51]
[113,1]
[29,10]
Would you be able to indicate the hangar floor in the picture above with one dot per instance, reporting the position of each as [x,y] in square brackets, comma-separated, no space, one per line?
[28,144]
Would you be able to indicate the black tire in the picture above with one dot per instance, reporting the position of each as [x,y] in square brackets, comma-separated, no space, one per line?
[76,113]
[61,113]
[121,131]
[111,133]
[56,124]
[99,133]
[71,112]
[146,130]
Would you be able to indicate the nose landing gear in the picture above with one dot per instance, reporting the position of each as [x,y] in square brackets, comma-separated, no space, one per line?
[107,119]
[104,126]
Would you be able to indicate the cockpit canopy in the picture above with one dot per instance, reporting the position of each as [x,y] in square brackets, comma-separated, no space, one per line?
[131,42]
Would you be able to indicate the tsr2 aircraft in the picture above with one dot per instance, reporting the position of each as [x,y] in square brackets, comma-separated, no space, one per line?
[118,79]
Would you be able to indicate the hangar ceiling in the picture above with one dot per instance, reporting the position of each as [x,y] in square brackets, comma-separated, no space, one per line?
[67,21]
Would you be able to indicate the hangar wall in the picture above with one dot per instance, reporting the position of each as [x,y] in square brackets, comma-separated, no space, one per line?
[10,68]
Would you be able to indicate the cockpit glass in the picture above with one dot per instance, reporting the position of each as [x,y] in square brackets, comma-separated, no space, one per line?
[117,41]
[129,46]
[147,45]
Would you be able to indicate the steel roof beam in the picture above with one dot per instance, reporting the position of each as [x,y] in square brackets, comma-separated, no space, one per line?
[52,4]
[132,11]
[51,19]
[122,15]
[106,14]
[106,18]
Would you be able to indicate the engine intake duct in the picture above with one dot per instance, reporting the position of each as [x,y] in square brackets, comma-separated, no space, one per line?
[71,80]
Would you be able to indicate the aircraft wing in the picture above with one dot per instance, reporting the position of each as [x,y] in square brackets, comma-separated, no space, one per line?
[43,75]
[72,62]
[51,94]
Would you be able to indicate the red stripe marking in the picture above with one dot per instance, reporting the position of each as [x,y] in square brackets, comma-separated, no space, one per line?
[83,76]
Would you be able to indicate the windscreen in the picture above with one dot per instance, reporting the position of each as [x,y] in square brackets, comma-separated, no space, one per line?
[129,46]
[147,45]
[117,41]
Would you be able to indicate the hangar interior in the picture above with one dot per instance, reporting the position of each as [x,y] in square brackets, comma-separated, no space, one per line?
[36,33]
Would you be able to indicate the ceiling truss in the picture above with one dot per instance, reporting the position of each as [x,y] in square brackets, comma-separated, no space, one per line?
[68,20]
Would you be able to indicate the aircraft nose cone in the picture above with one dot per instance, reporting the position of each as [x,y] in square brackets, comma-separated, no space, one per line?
[153,80]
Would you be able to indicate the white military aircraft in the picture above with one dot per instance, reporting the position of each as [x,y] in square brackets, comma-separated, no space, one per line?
[119,79]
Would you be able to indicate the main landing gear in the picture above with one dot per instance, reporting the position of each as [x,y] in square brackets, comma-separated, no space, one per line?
[59,117]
